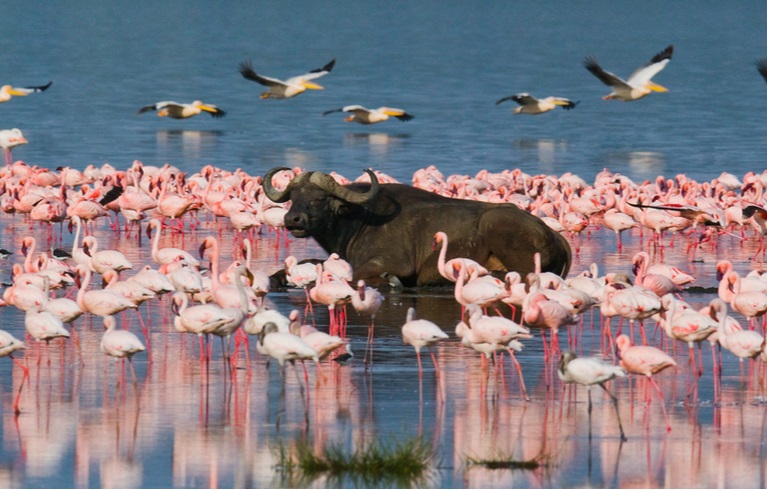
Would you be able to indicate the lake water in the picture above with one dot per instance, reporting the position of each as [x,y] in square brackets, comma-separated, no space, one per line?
[446,63]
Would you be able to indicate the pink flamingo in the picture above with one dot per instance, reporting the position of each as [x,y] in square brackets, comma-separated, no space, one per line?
[340,268]
[8,345]
[445,268]
[104,260]
[333,294]
[618,222]
[10,139]
[168,254]
[750,304]
[483,291]
[367,301]
[659,284]
[689,325]
[120,344]
[419,334]
[589,371]
[540,312]
[301,275]
[645,360]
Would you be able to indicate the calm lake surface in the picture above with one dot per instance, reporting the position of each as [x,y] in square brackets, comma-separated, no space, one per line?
[447,64]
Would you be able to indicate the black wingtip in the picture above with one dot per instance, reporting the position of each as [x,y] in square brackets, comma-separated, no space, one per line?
[664,55]
[332,111]
[218,114]
[761,65]
[330,65]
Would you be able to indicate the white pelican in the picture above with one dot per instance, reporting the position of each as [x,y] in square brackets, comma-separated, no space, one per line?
[8,91]
[530,105]
[279,89]
[9,139]
[364,115]
[175,110]
[761,65]
[638,84]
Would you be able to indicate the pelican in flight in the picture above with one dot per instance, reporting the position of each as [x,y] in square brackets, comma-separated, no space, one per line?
[364,115]
[174,110]
[8,91]
[279,89]
[761,65]
[639,83]
[530,105]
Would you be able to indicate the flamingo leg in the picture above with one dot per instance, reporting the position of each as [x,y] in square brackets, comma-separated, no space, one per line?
[662,403]
[617,414]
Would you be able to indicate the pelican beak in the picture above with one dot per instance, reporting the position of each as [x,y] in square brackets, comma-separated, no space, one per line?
[312,86]
[349,118]
[17,93]
[656,88]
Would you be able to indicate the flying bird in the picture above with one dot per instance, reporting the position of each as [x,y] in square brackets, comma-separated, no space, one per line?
[364,115]
[174,110]
[530,105]
[8,91]
[638,84]
[279,89]
[761,65]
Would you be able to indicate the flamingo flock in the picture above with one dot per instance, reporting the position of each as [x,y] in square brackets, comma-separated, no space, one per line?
[228,300]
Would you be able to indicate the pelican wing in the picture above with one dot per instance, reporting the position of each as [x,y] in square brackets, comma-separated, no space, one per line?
[356,109]
[29,90]
[606,77]
[340,109]
[246,70]
[521,99]
[761,65]
[157,106]
[645,73]
[319,72]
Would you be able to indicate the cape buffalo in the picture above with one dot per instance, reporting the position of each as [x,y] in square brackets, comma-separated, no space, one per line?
[387,229]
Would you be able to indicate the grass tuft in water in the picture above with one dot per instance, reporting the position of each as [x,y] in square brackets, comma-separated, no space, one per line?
[377,463]
[507,463]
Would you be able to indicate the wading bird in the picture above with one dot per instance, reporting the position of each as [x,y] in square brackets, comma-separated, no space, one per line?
[588,371]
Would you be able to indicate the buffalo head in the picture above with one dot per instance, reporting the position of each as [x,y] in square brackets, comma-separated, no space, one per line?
[317,199]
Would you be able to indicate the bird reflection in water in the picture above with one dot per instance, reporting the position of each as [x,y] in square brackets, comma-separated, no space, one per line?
[191,144]
[379,143]
[546,151]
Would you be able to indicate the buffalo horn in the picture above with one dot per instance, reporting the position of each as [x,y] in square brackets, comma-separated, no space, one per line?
[272,193]
[329,184]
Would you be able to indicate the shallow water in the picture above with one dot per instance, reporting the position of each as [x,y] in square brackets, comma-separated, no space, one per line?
[181,427]
[184,425]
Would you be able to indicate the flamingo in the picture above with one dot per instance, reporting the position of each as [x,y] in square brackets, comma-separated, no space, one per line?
[340,268]
[333,294]
[483,291]
[689,325]
[367,301]
[10,139]
[750,304]
[540,312]
[618,222]
[104,260]
[421,333]
[120,344]
[645,360]
[152,280]
[589,371]
[321,342]
[445,268]
[225,295]
[8,345]
[168,254]
[284,346]
[100,302]
[659,284]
